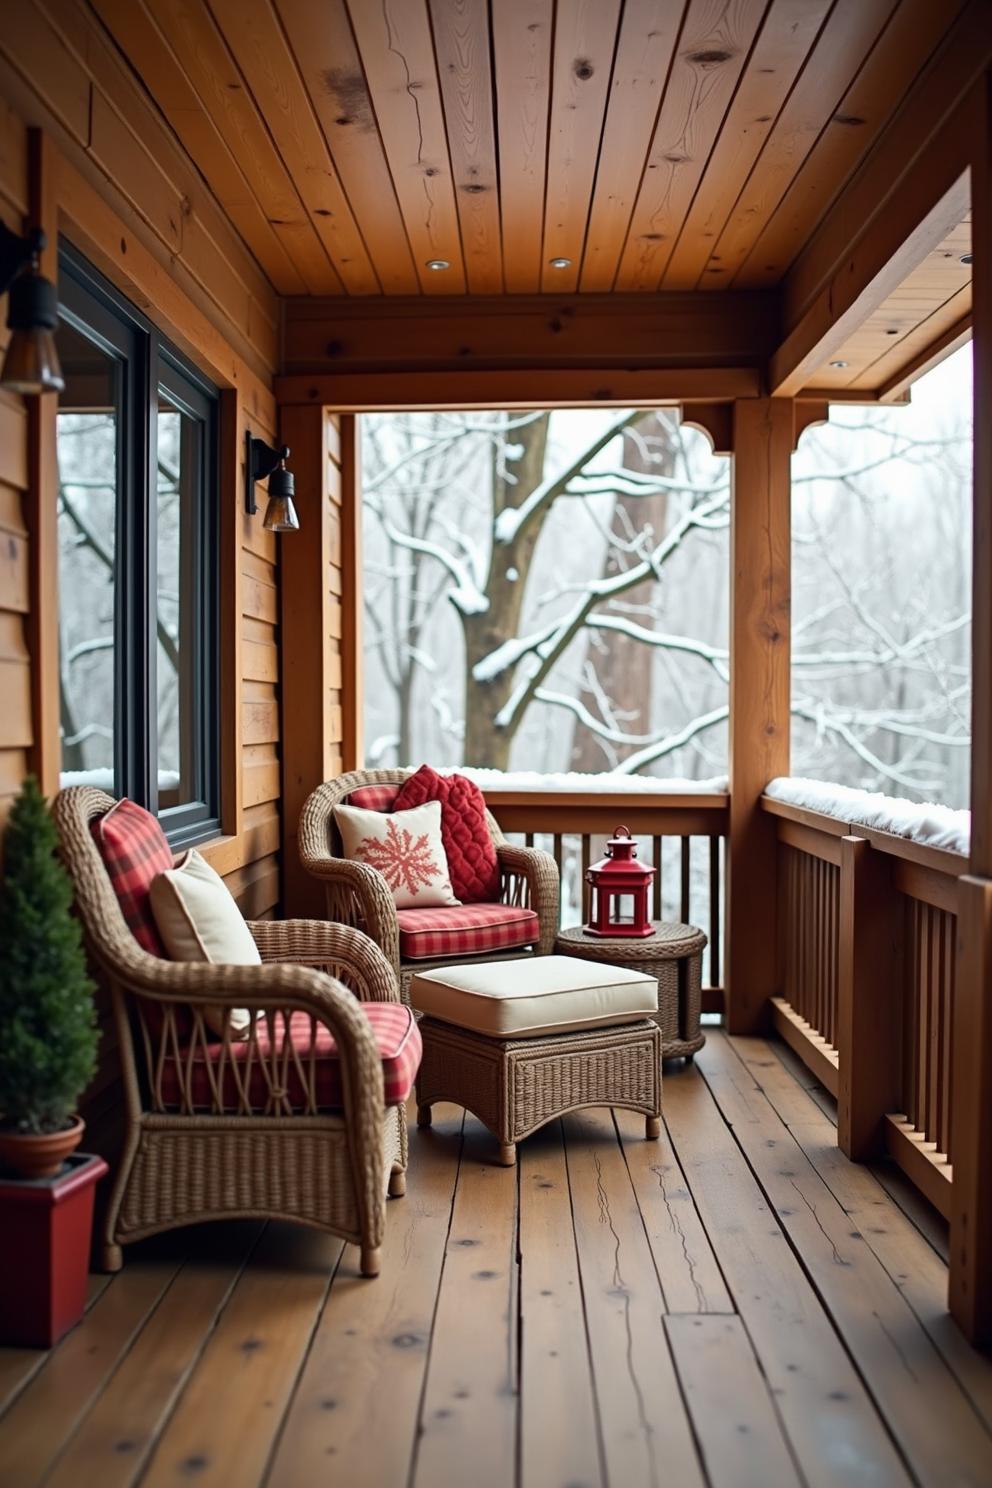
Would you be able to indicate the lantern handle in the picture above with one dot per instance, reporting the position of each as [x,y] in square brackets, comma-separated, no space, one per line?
[624,832]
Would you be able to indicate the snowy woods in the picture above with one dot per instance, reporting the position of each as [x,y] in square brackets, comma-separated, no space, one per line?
[549,592]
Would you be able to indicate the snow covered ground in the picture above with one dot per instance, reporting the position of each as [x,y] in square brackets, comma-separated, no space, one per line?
[925,822]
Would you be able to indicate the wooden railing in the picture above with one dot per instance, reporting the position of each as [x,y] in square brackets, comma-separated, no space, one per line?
[680,834]
[867,930]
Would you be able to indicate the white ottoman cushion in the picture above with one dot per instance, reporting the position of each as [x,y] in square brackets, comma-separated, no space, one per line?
[541,994]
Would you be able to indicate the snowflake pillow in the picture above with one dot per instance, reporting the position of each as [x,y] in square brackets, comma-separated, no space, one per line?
[406,848]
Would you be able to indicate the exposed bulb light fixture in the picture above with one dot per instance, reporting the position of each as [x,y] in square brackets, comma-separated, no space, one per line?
[560,263]
[438,265]
[31,364]
[266,460]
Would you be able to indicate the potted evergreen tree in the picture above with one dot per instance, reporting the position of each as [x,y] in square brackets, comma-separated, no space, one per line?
[48,1043]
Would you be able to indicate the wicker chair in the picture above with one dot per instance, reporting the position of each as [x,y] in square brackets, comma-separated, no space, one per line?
[257,1150]
[357,894]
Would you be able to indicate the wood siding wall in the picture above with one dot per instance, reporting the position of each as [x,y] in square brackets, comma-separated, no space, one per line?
[70,114]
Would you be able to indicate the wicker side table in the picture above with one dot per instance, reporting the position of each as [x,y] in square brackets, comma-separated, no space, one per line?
[674,955]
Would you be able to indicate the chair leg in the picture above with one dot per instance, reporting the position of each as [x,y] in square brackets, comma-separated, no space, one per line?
[113,1258]
[507,1154]
[423,1115]
[397,1183]
[370,1260]
[652,1128]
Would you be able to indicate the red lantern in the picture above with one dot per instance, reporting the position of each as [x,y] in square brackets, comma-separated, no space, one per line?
[618,877]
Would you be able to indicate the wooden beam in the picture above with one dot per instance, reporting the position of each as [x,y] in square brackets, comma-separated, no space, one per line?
[433,334]
[896,388]
[869,997]
[760,537]
[533,387]
[855,396]
[903,153]
[916,221]
[305,571]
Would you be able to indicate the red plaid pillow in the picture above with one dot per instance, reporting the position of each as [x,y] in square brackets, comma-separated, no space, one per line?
[134,851]
[374,797]
[472,863]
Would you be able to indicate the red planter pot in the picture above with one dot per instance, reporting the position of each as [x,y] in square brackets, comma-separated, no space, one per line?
[45,1230]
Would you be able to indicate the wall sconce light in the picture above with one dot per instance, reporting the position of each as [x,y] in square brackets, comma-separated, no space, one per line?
[269,461]
[32,362]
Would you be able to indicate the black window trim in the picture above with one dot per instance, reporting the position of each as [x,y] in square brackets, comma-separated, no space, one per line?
[149,365]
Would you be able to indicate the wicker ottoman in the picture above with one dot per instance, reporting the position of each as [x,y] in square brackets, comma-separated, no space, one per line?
[673,955]
[521,1042]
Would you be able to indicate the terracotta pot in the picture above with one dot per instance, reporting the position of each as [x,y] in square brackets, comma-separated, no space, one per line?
[29,1155]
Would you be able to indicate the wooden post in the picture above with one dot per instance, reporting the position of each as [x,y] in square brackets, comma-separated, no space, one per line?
[352,692]
[306,561]
[971,1117]
[760,558]
[868,998]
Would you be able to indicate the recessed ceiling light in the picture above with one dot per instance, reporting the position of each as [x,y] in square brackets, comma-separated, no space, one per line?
[438,264]
[892,332]
[838,365]
[560,263]
[966,258]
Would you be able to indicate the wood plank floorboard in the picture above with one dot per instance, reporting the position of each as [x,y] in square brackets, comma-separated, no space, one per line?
[734,1306]
[898,1362]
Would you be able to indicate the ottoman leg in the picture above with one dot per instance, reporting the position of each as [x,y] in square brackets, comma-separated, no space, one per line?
[652,1128]
[397,1183]
[507,1154]
[423,1115]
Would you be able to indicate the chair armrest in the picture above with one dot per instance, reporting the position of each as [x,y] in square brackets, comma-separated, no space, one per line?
[529,876]
[275,987]
[357,894]
[340,950]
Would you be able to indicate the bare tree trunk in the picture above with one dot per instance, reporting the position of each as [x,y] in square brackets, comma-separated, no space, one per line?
[624,667]
[486,743]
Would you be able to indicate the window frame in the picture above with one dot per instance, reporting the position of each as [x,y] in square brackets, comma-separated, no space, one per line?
[150,367]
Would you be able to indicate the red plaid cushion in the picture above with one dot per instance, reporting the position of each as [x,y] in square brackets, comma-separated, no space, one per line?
[374,797]
[472,864]
[397,1039]
[469,930]
[134,851]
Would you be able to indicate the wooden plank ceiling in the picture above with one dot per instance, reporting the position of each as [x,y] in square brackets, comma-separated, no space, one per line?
[531,146]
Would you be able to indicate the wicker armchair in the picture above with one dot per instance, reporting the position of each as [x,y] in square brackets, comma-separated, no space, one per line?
[259,1145]
[357,894]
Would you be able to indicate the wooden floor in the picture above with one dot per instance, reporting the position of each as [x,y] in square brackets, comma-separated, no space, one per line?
[736,1305]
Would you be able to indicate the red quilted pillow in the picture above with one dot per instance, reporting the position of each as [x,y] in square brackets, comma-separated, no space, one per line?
[134,851]
[472,864]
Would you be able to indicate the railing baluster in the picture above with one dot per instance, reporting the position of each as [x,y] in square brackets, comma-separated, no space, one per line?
[686,879]
[656,851]
[586,860]
[715,912]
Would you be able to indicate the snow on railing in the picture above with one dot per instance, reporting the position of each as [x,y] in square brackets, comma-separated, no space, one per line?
[607,782]
[924,822]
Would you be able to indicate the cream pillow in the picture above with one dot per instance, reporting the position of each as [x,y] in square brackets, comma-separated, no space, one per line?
[198,920]
[406,848]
